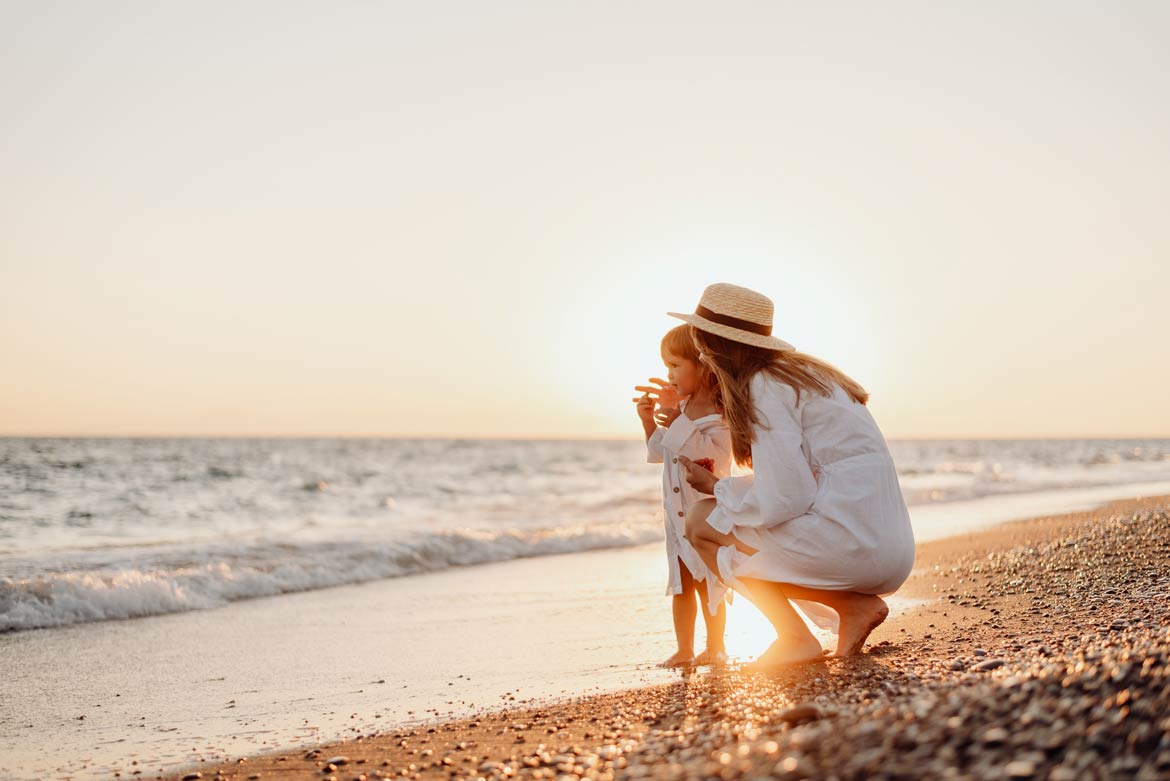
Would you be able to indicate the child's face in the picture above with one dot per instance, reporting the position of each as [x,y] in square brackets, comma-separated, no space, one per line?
[682,373]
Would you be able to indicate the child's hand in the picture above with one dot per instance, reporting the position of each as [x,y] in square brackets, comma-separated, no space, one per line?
[665,416]
[699,478]
[665,394]
[645,408]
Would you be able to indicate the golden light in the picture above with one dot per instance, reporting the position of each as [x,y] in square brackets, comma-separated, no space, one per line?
[749,633]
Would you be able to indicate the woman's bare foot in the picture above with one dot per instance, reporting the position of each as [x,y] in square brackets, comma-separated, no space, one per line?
[713,658]
[862,617]
[679,659]
[787,652]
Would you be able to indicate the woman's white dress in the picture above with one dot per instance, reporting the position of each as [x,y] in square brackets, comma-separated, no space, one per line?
[822,507]
[706,437]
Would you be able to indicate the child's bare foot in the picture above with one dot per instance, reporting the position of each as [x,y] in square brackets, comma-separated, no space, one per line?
[680,659]
[865,614]
[788,652]
[713,658]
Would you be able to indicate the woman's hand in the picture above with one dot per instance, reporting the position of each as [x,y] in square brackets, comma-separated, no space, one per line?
[665,394]
[700,479]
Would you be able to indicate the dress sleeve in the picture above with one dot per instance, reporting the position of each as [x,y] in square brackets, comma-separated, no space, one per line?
[781,486]
[686,438]
[654,446]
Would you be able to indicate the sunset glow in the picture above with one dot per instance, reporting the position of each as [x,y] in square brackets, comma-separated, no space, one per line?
[392,220]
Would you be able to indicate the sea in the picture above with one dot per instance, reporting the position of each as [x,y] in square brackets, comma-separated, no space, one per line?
[95,530]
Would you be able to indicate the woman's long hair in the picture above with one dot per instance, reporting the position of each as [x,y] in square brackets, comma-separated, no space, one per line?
[735,363]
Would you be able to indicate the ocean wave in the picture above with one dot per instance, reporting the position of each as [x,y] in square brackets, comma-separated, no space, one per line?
[214,575]
[96,529]
[954,485]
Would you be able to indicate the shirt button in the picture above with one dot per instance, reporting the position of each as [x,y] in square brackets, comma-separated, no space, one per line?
[676,489]
[681,513]
[674,460]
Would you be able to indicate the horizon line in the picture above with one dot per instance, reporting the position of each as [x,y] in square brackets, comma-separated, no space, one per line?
[551,438]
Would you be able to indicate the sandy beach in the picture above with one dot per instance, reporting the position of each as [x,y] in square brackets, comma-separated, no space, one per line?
[1041,650]
[378,379]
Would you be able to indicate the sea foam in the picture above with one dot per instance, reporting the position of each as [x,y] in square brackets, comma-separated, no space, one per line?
[213,575]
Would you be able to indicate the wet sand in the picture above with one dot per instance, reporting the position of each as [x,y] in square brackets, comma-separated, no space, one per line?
[1042,651]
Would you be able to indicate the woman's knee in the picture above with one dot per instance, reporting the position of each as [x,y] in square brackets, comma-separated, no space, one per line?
[696,520]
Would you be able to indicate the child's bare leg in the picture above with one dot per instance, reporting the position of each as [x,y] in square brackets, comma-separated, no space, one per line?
[682,607]
[716,651]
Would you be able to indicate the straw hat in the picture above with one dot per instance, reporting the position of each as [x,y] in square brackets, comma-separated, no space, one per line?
[736,313]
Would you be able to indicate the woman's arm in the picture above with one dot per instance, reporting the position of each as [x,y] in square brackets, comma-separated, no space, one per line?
[781,486]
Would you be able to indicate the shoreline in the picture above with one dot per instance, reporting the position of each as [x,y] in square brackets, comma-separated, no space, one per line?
[147,594]
[949,683]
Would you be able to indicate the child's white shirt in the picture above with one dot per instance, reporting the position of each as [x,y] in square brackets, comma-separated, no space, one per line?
[705,437]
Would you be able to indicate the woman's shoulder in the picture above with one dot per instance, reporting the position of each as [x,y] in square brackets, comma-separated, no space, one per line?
[766,386]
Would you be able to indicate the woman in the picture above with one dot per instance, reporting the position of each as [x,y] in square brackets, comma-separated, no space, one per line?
[821,519]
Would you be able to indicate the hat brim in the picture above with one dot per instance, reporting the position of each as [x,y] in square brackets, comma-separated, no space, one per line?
[734,334]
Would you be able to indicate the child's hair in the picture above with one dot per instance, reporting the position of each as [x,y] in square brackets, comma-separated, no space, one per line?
[681,342]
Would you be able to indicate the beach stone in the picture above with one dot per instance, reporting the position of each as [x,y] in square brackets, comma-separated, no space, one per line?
[995,736]
[192,777]
[799,713]
[339,760]
[793,767]
[1020,768]
[988,664]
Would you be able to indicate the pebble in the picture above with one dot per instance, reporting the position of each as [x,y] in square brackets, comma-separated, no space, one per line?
[799,713]
[988,664]
[1020,768]
[995,735]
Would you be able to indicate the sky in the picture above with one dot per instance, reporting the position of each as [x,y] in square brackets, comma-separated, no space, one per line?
[469,219]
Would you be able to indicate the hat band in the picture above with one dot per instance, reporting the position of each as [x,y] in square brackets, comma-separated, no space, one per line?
[734,322]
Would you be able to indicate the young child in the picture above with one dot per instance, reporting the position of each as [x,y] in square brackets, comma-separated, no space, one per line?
[688,423]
